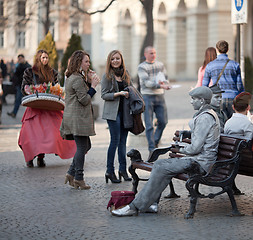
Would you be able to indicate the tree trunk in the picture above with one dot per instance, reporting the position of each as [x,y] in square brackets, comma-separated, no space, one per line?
[149,38]
[47,20]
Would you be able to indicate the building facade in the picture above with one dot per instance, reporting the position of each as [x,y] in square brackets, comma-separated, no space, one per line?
[22,25]
[183,29]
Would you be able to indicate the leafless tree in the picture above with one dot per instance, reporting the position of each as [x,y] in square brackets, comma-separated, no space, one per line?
[45,7]
[148,7]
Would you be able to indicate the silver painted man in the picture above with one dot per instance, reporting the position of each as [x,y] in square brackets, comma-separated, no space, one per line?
[216,104]
[205,135]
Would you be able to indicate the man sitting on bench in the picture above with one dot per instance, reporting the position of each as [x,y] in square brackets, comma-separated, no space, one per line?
[200,155]
[239,124]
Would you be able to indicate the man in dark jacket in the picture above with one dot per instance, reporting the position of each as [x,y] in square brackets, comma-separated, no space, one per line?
[17,81]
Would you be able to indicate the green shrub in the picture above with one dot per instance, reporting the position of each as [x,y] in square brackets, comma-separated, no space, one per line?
[73,45]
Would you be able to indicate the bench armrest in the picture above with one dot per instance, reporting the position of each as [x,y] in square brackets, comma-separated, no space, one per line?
[157,152]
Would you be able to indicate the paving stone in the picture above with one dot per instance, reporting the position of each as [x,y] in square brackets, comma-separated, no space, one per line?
[36,204]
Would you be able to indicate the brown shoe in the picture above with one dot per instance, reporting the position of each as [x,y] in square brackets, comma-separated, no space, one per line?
[80,184]
[69,179]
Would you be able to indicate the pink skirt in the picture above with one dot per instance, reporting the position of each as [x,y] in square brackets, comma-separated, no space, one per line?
[40,134]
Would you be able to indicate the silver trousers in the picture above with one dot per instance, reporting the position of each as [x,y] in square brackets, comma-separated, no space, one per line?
[162,173]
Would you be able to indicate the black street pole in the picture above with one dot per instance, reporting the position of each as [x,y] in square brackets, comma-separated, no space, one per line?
[237,43]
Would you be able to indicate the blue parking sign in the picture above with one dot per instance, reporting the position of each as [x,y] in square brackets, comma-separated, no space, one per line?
[239,10]
[238,4]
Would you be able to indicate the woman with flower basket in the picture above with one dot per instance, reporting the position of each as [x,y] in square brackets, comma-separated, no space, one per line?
[40,133]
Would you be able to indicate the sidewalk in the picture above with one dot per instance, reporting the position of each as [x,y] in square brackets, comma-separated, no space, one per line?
[35,203]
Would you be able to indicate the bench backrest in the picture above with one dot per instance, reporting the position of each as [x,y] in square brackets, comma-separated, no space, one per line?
[229,148]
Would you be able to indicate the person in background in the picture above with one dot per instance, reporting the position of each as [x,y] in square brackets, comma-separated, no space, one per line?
[210,55]
[230,81]
[17,81]
[78,119]
[3,67]
[40,133]
[1,93]
[152,75]
[113,83]
[239,124]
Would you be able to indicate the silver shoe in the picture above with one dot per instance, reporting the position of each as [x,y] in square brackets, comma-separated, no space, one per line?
[125,211]
[153,208]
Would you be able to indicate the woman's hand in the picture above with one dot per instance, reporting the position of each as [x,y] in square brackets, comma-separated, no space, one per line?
[122,93]
[93,78]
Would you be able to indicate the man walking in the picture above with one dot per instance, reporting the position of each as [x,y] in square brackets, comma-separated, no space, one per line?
[17,81]
[205,135]
[152,85]
[230,80]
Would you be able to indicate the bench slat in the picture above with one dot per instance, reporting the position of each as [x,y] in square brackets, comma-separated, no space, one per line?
[224,146]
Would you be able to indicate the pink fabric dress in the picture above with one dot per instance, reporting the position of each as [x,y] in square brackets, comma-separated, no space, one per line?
[40,134]
[201,73]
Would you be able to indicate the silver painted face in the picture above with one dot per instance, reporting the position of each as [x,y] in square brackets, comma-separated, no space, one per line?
[197,103]
[216,100]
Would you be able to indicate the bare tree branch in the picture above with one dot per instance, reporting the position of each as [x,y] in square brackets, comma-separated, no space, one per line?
[142,2]
[97,11]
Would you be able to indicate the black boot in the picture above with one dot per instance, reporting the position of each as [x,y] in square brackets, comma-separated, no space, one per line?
[125,176]
[112,177]
[29,164]
[41,161]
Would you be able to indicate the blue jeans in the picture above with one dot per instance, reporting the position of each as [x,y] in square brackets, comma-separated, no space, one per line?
[118,140]
[154,104]
[18,98]
[83,145]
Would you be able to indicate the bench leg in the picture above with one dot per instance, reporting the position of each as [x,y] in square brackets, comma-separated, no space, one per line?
[193,201]
[135,177]
[235,211]
[192,210]
[172,192]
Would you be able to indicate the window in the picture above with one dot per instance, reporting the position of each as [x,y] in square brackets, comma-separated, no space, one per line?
[1,8]
[75,28]
[1,39]
[21,39]
[21,8]
[74,3]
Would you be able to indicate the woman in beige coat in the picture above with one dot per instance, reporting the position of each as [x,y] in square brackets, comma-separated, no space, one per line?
[78,120]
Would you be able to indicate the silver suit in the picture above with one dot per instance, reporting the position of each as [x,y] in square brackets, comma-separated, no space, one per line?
[205,134]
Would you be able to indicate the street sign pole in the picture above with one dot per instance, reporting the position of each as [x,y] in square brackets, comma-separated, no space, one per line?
[239,16]
[242,62]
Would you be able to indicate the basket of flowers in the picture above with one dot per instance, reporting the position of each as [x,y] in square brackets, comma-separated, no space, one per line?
[44,96]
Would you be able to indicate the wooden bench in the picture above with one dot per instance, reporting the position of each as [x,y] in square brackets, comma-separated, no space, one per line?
[222,174]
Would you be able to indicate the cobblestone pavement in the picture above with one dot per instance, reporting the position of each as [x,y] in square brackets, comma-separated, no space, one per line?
[35,203]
